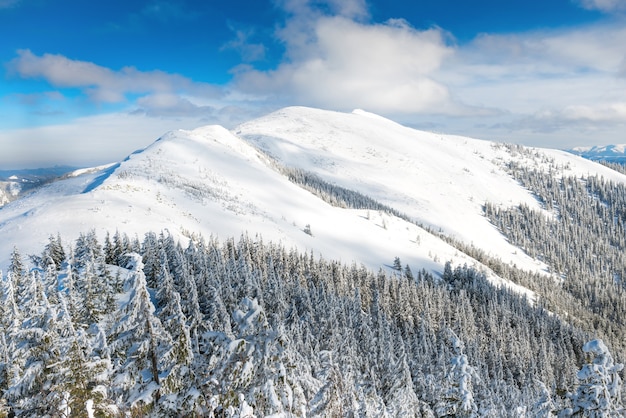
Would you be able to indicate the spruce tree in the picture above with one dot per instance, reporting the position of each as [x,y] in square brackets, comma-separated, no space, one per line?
[139,344]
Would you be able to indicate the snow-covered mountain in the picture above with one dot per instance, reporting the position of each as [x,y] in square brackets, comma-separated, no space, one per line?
[237,326]
[212,181]
[612,153]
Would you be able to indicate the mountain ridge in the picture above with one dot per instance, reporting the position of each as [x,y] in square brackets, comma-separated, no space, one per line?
[225,183]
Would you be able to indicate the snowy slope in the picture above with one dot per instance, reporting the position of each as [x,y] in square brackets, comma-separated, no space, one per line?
[211,181]
[439,180]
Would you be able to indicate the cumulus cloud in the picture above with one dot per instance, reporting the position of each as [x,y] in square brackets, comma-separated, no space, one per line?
[340,62]
[607,6]
[102,84]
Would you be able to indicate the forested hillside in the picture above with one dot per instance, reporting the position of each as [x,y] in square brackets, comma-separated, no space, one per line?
[244,327]
[581,236]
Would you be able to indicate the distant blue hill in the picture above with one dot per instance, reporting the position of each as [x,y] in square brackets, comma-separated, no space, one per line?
[608,153]
[36,175]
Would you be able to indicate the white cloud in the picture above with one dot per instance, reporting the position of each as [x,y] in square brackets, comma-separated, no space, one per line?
[595,48]
[611,113]
[344,64]
[102,84]
[551,87]
[105,138]
[87,141]
[583,119]
[310,9]
[607,6]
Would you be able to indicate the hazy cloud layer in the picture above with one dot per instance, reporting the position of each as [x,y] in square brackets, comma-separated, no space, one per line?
[247,49]
[5,4]
[102,84]
[547,81]
[607,6]
[106,138]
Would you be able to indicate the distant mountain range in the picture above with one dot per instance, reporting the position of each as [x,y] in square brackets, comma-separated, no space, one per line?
[610,153]
[14,183]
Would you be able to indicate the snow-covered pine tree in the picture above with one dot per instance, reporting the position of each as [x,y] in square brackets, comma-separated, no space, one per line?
[545,406]
[10,323]
[139,345]
[599,390]
[31,388]
[179,385]
[83,370]
[150,251]
[328,400]
[54,251]
[250,364]
[459,399]
[402,400]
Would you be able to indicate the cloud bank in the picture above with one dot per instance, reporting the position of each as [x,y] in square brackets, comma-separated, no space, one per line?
[104,85]
[569,81]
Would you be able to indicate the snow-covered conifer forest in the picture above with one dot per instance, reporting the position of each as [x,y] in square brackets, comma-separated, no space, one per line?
[315,264]
[154,328]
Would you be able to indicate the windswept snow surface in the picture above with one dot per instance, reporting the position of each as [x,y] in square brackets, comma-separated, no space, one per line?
[211,181]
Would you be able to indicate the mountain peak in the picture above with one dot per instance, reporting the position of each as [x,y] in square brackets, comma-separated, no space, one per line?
[217,182]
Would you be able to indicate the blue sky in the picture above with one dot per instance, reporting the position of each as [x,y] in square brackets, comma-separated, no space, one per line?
[86,83]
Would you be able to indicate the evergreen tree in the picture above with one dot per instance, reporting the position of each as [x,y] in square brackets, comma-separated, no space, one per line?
[139,344]
[36,345]
[53,251]
[599,390]
[459,399]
